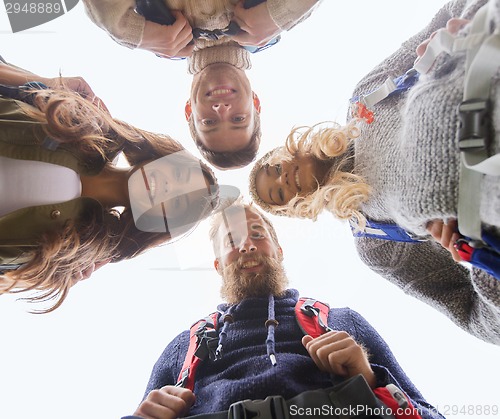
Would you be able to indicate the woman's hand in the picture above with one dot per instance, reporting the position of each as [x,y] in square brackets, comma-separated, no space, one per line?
[88,271]
[78,85]
[16,76]
[452,26]
[446,235]
[338,353]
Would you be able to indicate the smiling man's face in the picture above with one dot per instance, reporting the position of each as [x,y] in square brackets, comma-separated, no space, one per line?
[248,258]
[223,108]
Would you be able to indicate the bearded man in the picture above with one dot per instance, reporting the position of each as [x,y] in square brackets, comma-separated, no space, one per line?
[261,349]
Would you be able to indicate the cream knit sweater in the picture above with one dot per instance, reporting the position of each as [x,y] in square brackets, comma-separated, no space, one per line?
[125,26]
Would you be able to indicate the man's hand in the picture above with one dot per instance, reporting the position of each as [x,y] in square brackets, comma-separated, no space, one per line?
[446,235]
[338,353]
[168,41]
[168,402]
[256,23]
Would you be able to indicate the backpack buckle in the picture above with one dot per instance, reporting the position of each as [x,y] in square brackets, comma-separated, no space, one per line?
[208,342]
[474,128]
[273,407]
[210,34]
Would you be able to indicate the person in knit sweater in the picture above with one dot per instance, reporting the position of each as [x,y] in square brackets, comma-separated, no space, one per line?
[401,169]
[257,361]
[223,111]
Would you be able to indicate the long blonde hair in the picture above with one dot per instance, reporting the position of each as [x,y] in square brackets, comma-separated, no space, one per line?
[343,192]
[92,134]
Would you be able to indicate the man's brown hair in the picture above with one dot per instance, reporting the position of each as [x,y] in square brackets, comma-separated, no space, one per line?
[230,160]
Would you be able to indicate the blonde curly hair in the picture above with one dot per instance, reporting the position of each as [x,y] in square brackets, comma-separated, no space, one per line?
[342,193]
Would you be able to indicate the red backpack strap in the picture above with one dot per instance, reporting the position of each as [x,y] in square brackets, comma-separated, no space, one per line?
[399,404]
[203,341]
[312,316]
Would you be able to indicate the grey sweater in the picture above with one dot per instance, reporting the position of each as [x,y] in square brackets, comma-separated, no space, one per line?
[409,155]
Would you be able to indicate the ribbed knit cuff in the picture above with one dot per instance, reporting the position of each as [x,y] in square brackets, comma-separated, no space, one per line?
[230,53]
[287,13]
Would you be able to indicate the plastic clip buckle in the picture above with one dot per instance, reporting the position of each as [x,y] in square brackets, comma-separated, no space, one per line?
[207,344]
[209,35]
[474,127]
[182,382]
[271,407]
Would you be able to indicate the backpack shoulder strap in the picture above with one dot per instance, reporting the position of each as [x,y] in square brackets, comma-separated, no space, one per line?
[312,316]
[384,231]
[203,341]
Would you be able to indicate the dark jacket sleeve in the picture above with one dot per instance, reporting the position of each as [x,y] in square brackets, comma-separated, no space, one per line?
[383,362]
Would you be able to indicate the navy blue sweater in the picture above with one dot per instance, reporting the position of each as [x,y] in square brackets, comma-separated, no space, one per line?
[245,371]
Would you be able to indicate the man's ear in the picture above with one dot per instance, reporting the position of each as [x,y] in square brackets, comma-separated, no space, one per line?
[217,266]
[256,101]
[188,111]
[280,250]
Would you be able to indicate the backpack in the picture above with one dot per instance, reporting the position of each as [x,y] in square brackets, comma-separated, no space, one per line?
[312,318]
[311,315]
[476,246]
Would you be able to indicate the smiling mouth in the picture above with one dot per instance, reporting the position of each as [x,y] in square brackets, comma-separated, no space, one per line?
[150,182]
[250,264]
[220,92]
[152,185]
[296,179]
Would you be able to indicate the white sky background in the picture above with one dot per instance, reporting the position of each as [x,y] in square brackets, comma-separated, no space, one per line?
[93,356]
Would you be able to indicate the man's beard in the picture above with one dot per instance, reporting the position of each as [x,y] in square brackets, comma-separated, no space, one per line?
[238,285]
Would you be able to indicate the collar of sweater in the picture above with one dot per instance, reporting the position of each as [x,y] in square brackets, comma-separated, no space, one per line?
[230,53]
[290,296]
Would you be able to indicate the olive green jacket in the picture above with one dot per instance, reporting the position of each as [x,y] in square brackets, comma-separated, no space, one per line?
[23,138]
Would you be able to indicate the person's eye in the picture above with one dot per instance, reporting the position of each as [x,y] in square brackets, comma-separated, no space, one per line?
[239,119]
[278,169]
[257,232]
[281,195]
[208,122]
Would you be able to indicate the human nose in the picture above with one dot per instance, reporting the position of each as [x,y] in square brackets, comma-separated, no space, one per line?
[247,246]
[221,108]
[282,179]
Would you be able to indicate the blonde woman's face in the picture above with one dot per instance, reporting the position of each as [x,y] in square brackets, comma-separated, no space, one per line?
[277,184]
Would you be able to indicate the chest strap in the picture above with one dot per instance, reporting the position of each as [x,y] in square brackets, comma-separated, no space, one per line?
[384,231]
[352,398]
